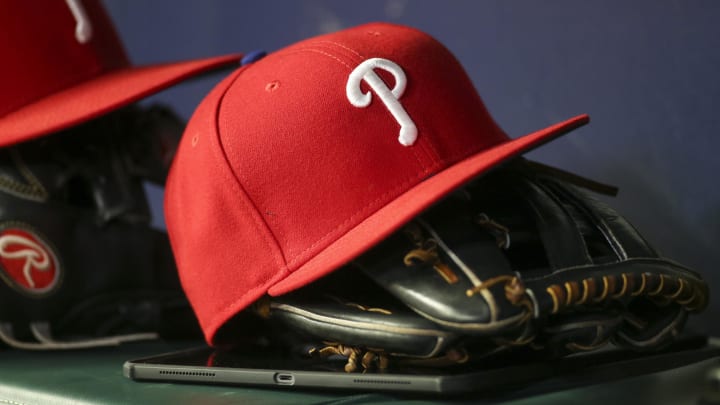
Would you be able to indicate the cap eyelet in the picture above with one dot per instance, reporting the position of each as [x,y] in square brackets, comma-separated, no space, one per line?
[195,140]
[272,86]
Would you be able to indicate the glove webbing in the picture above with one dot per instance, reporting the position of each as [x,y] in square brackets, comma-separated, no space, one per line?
[571,225]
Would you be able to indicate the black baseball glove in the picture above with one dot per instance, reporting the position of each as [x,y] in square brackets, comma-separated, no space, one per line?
[80,264]
[522,260]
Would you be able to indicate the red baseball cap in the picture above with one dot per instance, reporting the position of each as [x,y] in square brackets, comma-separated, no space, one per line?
[64,64]
[299,162]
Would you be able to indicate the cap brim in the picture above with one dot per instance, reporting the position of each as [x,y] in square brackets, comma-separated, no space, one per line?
[98,96]
[408,205]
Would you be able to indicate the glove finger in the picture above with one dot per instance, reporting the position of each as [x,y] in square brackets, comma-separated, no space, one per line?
[349,309]
[448,268]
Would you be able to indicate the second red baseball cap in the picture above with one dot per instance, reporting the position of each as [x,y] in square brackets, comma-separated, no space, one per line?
[63,64]
[297,163]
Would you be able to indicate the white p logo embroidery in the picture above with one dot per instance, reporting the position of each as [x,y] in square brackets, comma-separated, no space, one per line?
[83,28]
[366,71]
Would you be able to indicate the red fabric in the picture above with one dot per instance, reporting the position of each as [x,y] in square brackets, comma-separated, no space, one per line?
[49,80]
[288,180]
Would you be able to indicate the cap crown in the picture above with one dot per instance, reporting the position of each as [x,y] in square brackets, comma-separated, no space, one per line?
[299,162]
[314,164]
[50,45]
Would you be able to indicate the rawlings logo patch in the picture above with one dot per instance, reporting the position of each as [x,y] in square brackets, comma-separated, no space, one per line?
[27,262]
[390,97]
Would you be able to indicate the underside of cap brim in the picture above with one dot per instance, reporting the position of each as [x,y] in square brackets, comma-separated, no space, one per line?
[100,95]
[401,210]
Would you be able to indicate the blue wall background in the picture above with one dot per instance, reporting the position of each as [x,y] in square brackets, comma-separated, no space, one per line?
[645,70]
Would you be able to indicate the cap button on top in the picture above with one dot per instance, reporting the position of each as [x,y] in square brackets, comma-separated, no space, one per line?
[251,57]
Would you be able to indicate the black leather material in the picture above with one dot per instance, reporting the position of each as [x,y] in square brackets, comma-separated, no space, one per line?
[621,266]
[579,331]
[519,258]
[422,287]
[73,205]
[347,307]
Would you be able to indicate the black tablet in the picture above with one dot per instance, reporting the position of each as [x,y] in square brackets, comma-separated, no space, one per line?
[263,365]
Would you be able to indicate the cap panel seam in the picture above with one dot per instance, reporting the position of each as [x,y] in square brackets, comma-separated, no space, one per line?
[262,227]
[339,45]
[293,258]
[301,50]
